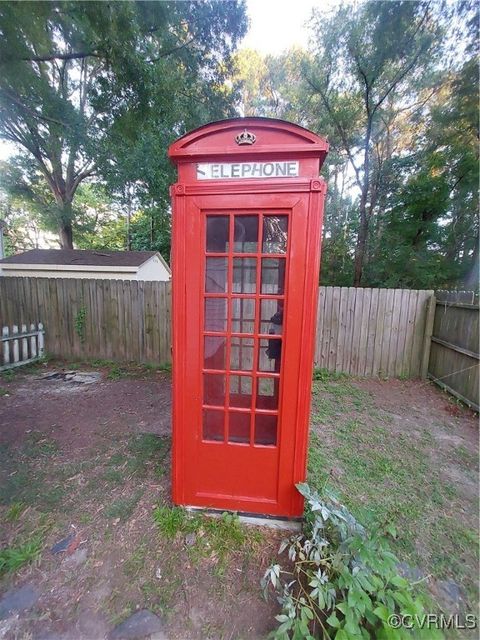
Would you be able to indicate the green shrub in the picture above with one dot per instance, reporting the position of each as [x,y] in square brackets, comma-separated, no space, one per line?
[340,582]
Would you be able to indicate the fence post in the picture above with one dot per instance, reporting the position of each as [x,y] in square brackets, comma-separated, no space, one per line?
[6,347]
[41,340]
[24,343]
[15,345]
[33,342]
[427,336]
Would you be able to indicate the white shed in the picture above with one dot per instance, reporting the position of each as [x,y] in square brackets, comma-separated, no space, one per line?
[79,263]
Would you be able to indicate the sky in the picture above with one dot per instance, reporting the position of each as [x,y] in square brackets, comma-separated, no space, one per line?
[276,25]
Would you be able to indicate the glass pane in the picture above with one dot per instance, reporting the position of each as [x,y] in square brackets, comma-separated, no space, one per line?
[217,234]
[245,239]
[243,315]
[270,355]
[238,427]
[241,354]
[214,389]
[216,275]
[215,314]
[273,275]
[275,234]
[241,391]
[271,317]
[244,275]
[267,393]
[213,425]
[266,429]
[214,353]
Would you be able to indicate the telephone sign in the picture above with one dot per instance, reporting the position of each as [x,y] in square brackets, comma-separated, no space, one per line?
[247,219]
[229,171]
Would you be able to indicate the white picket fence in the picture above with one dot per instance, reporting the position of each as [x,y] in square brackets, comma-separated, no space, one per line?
[21,347]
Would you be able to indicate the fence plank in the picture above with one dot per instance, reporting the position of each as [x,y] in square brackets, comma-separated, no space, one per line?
[334,329]
[342,329]
[362,351]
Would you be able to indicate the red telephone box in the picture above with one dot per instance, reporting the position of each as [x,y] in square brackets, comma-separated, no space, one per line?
[247,218]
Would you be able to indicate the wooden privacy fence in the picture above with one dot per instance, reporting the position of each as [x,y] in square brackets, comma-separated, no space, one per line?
[454,356]
[374,332]
[103,319]
[364,332]
[21,347]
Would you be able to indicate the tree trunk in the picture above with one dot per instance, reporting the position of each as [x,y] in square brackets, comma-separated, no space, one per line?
[471,278]
[64,217]
[65,235]
[360,248]
[363,230]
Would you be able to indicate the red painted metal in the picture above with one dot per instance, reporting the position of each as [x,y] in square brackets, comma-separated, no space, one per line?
[240,417]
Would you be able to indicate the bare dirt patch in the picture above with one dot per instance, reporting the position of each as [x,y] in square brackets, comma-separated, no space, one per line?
[78,416]
[93,461]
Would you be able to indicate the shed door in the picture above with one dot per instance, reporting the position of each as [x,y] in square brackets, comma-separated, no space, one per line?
[240,450]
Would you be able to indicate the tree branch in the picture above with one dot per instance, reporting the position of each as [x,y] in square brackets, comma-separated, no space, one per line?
[340,130]
[164,54]
[59,56]
[31,111]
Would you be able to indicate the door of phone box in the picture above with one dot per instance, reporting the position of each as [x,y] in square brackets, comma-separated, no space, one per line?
[247,218]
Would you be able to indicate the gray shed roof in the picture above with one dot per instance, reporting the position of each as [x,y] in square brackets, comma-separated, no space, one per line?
[81,257]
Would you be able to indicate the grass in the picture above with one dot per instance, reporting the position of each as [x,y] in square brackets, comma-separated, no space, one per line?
[385,475]
[8,375]
[13,558]
[15,511]
[148,450]
[122,508]
[115,370]
[213,536]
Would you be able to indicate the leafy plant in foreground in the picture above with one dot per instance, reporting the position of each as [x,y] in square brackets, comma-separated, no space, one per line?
[340,582]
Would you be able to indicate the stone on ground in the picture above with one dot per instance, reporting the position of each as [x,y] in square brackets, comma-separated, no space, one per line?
[138,626]
[18,600]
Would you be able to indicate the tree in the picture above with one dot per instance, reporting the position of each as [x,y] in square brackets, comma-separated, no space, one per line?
[75,77]
[360,75]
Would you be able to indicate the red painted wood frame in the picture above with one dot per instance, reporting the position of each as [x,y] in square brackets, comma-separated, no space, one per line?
[235,450]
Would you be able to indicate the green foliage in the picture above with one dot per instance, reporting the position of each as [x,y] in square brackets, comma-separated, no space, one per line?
[8,375]
[117,372]
[342,581]
[324,375]
[12,558]
[80,322]
[98,90]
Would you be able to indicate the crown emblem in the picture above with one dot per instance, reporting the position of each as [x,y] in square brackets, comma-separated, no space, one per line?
[245,137]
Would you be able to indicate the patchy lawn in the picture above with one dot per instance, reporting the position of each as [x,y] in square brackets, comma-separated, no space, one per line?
[402,452]
[91,463]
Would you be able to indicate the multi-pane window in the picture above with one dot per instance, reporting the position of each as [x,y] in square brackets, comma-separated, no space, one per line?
[245,280]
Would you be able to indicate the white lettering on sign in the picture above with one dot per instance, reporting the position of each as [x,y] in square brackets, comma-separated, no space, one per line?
[234,170]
